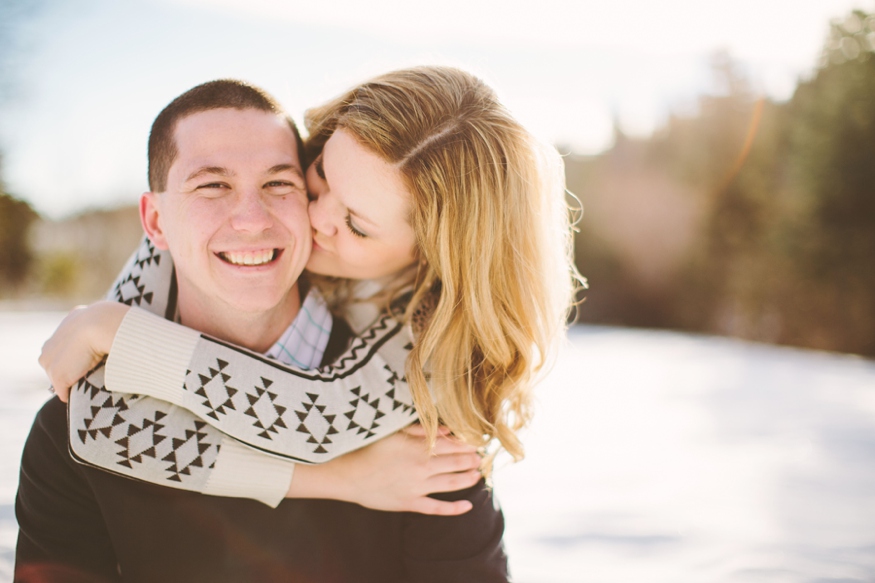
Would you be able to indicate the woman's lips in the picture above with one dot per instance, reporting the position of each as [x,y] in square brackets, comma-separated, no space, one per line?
[317,246]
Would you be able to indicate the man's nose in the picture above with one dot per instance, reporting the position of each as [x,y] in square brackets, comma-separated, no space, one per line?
[250,212]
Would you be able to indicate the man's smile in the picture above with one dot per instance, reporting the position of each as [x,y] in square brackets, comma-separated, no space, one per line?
[250,258]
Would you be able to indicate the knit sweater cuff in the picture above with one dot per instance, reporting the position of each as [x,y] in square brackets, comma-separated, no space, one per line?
[241,472]
[150,356]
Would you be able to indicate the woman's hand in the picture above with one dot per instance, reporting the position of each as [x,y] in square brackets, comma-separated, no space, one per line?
[396,473]
[82,339]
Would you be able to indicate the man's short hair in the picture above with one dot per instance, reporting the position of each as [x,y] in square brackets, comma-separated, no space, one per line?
[219,94]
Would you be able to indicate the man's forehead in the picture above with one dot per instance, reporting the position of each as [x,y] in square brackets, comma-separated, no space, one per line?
[215,121]
[247,136]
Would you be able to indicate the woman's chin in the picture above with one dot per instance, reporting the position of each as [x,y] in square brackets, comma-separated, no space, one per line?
[322,264]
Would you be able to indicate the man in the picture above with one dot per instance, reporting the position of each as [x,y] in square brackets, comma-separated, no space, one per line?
[229,202]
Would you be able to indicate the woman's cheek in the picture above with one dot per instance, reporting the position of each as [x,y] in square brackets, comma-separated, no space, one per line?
[359,256]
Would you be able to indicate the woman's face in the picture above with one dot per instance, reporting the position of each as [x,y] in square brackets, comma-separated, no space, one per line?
[359,211]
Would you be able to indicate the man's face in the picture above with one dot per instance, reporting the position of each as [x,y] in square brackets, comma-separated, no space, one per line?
[234,215]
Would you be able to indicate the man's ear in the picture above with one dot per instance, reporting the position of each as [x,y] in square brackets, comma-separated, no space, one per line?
[150,217]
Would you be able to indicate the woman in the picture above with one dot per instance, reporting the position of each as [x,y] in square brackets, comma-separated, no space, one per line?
[423,185]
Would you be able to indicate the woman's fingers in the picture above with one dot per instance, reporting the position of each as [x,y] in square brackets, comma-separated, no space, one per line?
[61,384]
[445,442]
[396,473]
[62,392]
[426,505]
[65,367]
[448,445]
[456,462]
[417,430]
[453,482]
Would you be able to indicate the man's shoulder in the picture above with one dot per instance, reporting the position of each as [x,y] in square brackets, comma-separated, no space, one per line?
[60,525]
[46,456]
[468,546]
[51,422]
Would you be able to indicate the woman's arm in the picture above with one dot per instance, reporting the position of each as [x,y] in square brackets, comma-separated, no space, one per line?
[363,419]
[302,415]
[154,441]
[314,417]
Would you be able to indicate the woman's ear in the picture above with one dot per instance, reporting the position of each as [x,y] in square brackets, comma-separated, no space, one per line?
[150,218]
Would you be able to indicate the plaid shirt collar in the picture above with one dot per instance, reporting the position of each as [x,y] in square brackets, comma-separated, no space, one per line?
[304,341]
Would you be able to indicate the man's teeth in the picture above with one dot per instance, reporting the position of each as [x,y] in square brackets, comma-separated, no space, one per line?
[249,257]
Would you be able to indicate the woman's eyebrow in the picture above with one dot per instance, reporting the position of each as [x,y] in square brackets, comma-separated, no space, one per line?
[362,217]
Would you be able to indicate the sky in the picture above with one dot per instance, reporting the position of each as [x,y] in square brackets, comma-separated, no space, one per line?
[89,76]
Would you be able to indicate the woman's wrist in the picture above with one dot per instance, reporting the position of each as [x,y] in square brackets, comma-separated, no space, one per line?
[82,339]
[318,481]
[104,320]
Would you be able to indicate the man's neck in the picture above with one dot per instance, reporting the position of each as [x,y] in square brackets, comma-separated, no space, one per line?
[257,331]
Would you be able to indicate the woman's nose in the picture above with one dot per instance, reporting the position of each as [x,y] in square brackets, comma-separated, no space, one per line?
[320,215]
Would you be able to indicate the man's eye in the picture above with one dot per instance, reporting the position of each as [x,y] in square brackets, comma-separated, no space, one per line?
[211,185]
[281,186]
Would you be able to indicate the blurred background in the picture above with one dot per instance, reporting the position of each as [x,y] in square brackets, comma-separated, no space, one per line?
[723,152]
[724,155]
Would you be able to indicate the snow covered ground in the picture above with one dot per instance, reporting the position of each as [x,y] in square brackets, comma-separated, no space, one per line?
[653,457]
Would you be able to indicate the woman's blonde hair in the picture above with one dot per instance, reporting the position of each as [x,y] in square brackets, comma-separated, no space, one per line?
[496,276]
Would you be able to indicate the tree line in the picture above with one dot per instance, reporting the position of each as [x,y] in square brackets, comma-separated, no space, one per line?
[771,207]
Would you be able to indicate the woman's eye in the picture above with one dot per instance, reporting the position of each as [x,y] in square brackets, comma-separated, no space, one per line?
[320,169]
[352,228]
